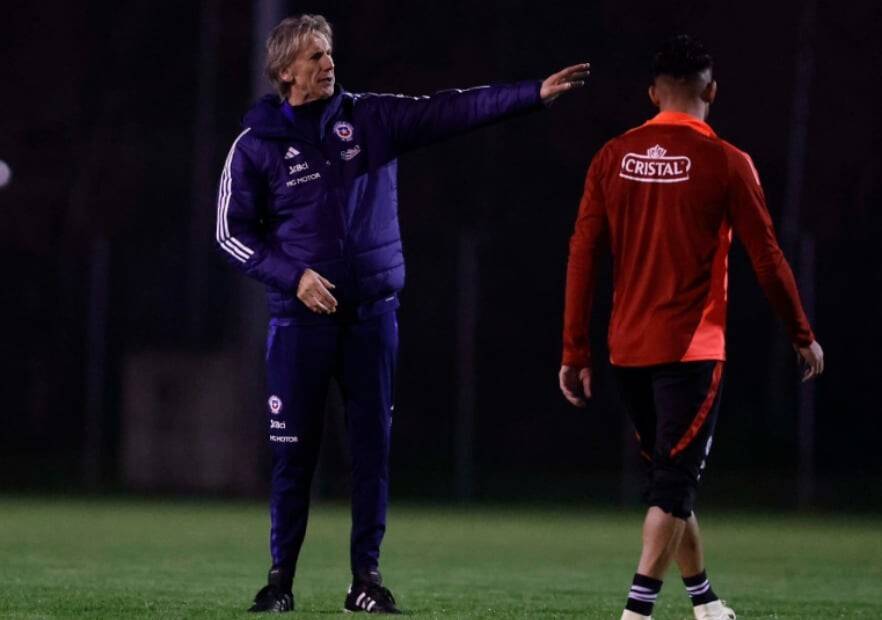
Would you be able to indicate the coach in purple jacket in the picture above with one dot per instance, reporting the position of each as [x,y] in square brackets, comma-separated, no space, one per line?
[308,205]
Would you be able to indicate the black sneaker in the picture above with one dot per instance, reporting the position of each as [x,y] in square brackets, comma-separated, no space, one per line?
[276,596]
[368,594]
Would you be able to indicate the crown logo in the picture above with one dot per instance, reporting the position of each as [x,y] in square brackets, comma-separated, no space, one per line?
[656,152]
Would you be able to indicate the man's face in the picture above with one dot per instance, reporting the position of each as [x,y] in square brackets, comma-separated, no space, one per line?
[312,72]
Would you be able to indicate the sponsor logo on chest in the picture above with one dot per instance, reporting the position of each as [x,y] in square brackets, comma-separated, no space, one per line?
[350,154]
[293,169]
[656,166]
[304,179]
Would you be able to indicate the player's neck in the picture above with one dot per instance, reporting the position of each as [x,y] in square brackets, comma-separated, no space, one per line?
[698,109]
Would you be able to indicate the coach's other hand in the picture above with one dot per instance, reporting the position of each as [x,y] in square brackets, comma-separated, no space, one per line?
[811,359]
[563,81]
[314,292]
[575,383]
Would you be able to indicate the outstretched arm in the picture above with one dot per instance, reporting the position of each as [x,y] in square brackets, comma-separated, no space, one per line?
[413,122]
[563,81]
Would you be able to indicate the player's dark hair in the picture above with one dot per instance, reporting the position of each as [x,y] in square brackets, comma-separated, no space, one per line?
[681,57]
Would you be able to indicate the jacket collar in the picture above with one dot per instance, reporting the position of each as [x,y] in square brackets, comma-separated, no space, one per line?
[267,119]
[679,118]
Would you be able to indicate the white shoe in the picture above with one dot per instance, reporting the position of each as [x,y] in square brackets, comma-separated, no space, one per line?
[715,610]
[633,615]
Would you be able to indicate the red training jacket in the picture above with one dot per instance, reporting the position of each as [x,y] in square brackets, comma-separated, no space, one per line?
[664,198]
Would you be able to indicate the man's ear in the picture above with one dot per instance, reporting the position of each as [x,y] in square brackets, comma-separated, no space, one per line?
[710,92]
[653,96]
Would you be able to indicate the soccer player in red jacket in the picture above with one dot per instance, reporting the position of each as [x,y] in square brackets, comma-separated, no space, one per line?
[664,198]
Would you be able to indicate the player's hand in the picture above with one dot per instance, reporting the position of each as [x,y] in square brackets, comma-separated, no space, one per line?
[811,358]
[575,383]
[315,293]
[563,81]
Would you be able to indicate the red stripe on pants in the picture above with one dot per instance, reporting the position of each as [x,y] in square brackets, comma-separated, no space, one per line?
[705,408]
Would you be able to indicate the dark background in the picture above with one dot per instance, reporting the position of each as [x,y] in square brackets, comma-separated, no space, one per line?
[131,352]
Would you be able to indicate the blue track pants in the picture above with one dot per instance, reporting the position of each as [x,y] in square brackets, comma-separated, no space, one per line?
[301,361]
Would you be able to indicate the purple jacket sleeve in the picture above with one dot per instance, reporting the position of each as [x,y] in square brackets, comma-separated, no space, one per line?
[418,121]
[239,231]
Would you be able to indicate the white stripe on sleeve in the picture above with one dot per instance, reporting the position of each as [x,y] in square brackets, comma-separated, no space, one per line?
[222,231]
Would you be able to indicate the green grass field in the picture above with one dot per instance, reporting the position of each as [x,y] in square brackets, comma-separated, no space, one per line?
[117,559]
